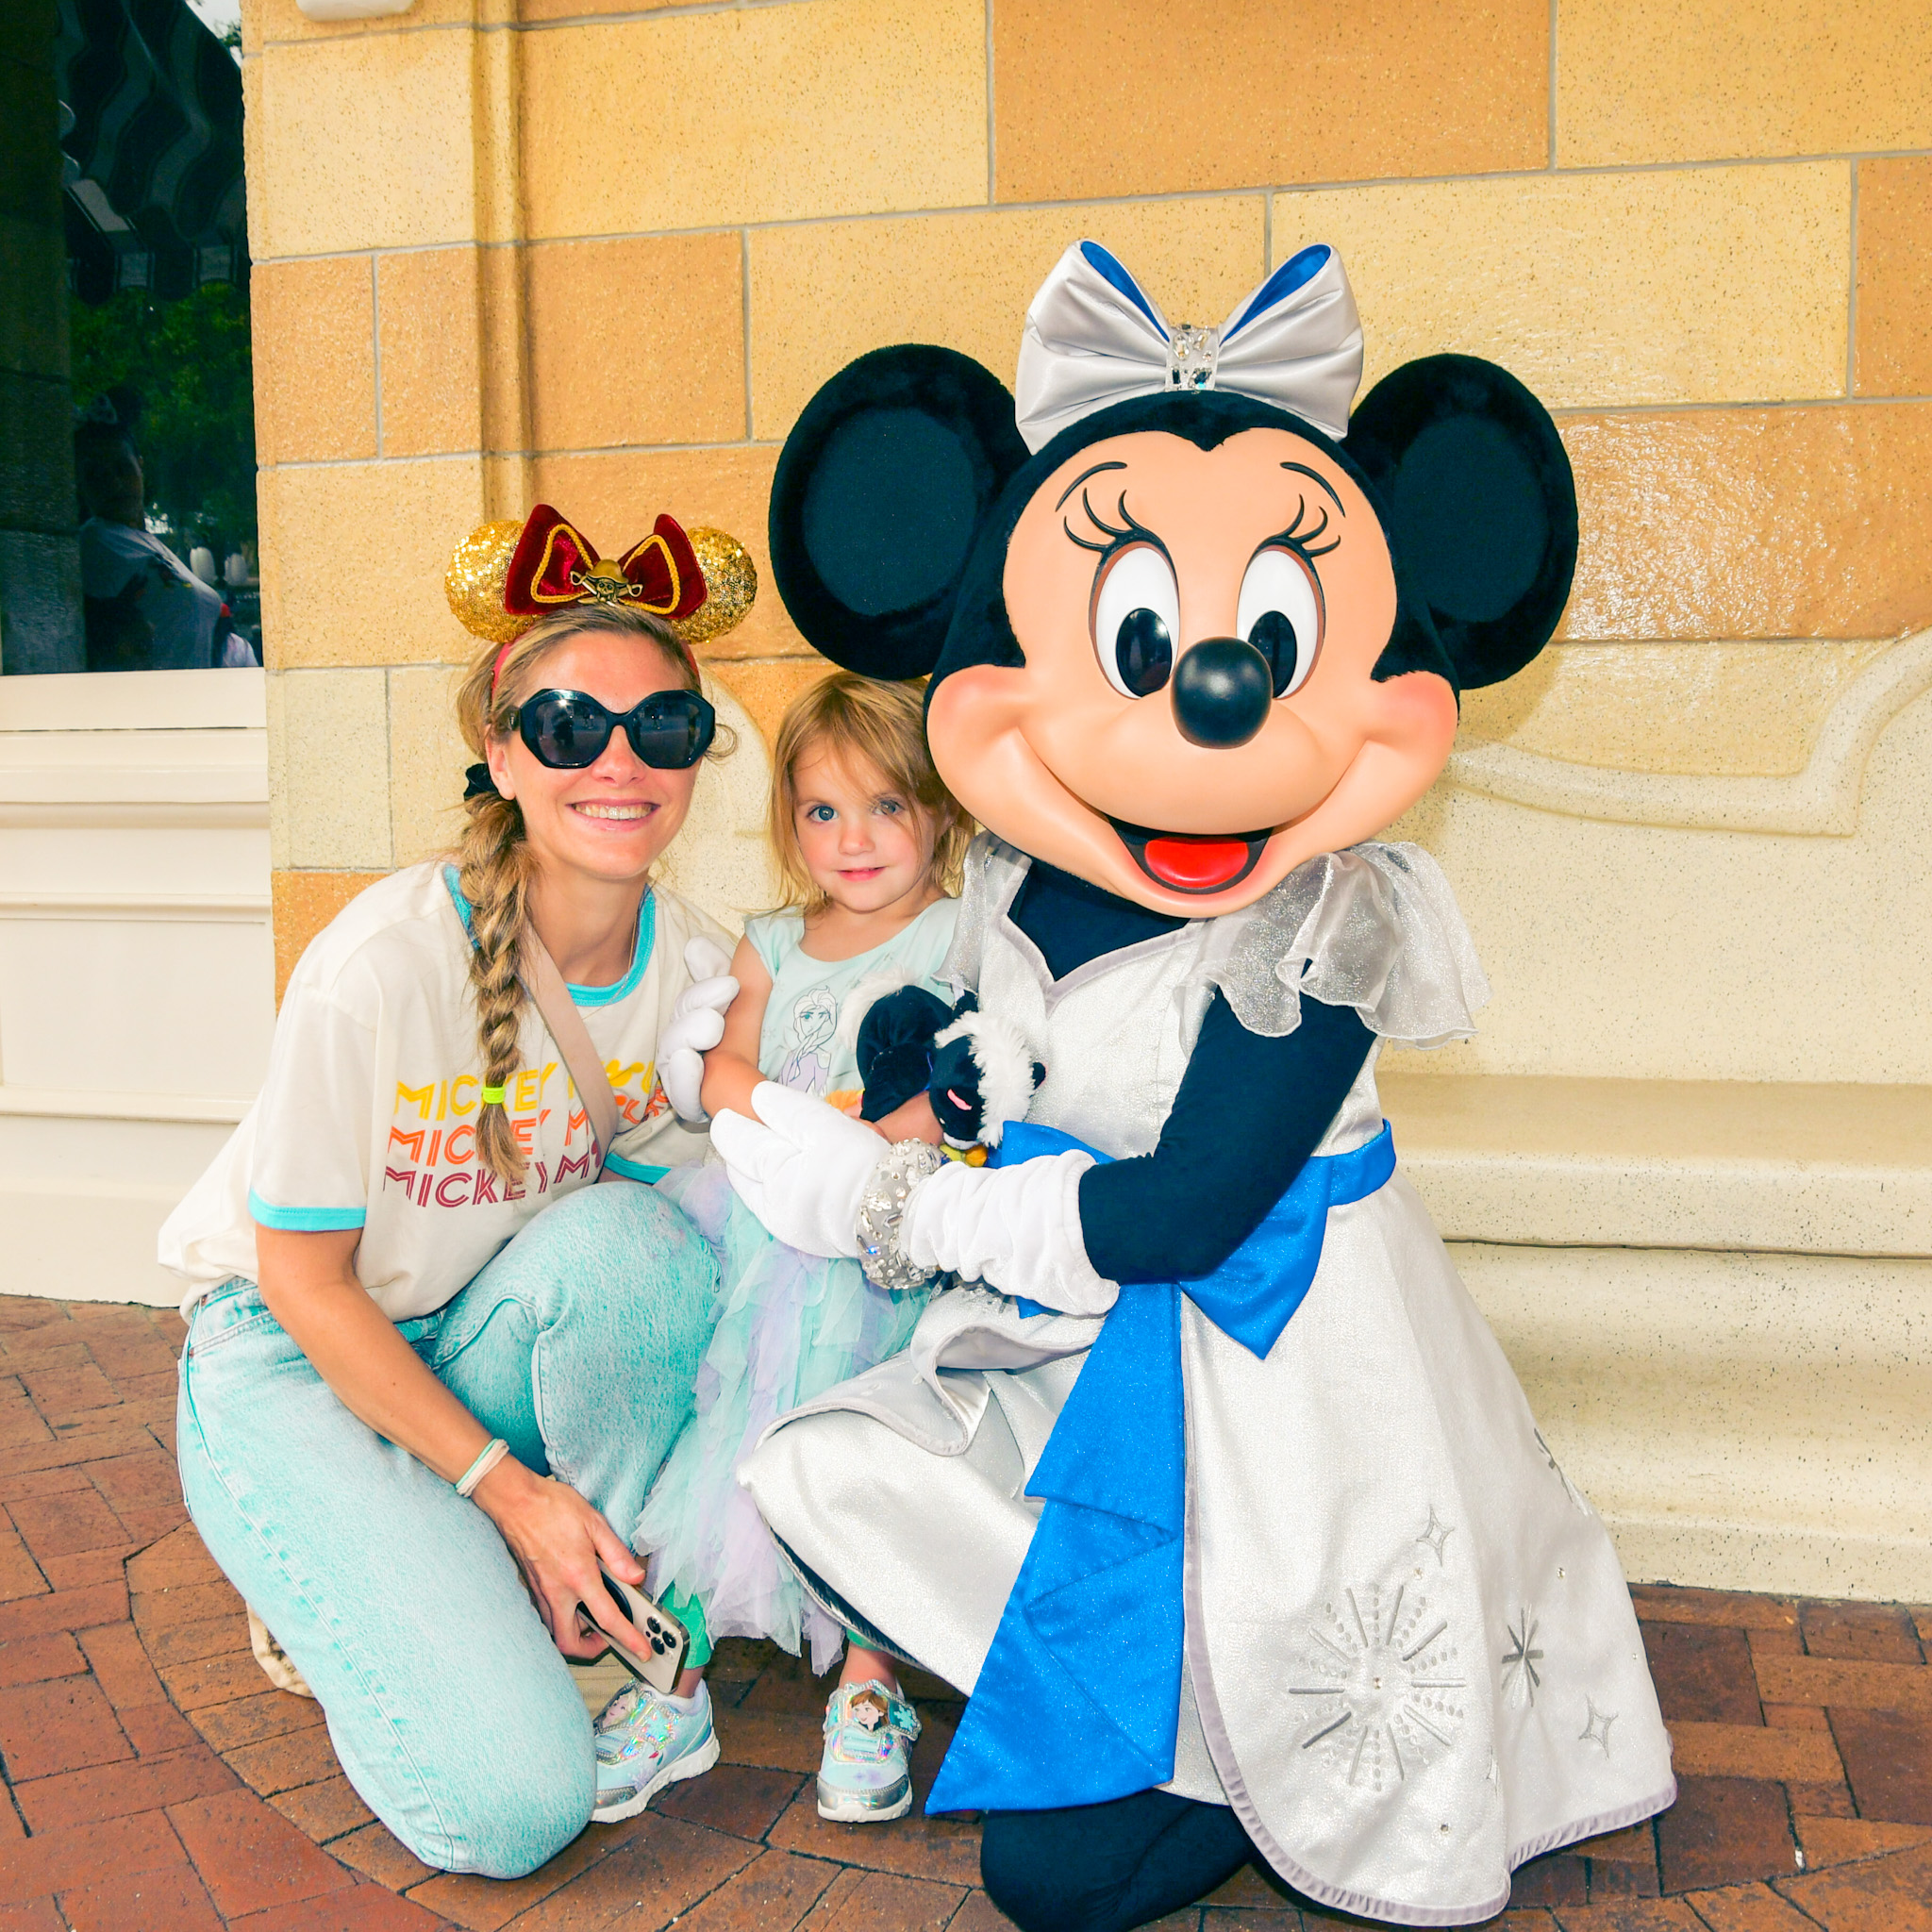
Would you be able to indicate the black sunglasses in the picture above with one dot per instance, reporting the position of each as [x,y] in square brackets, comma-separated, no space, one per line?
[670,731]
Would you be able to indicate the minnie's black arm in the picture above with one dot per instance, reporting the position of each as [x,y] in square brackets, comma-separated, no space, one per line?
[1249,1112]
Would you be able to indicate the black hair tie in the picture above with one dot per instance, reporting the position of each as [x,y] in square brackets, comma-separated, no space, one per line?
[480,785]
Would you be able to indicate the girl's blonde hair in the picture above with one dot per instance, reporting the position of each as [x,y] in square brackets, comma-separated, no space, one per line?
[878,725]
[495,863]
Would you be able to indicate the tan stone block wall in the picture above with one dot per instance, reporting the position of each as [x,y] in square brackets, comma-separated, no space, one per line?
[428,309]
[1688,80]
[1093,97]
[1701,285]
[314,342]
[1895,328]
[600,252]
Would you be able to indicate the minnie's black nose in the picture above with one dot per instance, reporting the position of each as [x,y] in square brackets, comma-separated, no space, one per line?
[1222,692]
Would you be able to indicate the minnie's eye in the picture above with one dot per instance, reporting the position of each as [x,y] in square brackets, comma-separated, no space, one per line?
[1280,614]
[1137,616]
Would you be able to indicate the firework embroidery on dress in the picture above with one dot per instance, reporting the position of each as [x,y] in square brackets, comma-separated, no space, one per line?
[1380,1677]
[1522,1680]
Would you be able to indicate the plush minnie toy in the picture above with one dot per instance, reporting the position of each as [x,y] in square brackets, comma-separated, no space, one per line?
[1287,1568]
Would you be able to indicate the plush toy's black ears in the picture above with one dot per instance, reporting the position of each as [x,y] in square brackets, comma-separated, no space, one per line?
[882,486]
[1482,507]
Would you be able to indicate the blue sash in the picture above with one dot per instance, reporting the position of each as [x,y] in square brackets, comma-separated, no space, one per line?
[1079,1698]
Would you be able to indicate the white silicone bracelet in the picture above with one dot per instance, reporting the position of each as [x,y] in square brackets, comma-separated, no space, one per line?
[493,1452]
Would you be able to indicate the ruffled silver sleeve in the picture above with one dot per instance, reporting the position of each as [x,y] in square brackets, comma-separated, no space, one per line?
[991,871]
[1376,928]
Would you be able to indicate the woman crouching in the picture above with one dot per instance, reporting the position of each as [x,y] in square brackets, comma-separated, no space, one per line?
[428,1365]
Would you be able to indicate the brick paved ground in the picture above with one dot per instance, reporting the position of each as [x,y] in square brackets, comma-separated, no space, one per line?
[156,1781]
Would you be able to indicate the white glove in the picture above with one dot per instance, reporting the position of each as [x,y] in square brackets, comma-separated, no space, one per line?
[803,1171]
[696,1027]
[1016,1228]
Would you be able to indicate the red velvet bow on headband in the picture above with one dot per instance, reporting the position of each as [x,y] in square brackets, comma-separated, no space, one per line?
[554,566]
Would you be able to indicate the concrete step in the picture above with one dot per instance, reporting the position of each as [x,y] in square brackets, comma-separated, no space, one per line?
[1742,1420]
[1723,1164]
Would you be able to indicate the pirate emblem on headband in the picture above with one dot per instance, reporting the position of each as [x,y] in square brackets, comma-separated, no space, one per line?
[553,565]
[506,575]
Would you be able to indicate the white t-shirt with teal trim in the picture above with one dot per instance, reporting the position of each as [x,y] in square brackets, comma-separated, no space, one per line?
[801,1043]
[367,1117]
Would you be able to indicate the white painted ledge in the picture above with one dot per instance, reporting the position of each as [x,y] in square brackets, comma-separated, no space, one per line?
[84,1104]
[1741,1421]
[136,701]
[1718,1165]
[1822,800]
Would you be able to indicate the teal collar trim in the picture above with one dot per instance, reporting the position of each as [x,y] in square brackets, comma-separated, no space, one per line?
[584,995]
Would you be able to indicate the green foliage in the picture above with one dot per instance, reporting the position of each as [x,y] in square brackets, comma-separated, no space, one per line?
[190,361]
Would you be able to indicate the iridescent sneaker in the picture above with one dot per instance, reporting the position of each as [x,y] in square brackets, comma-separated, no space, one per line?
[865,1777]
[646,1741]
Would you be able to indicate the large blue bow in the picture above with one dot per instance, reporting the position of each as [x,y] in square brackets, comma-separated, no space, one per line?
[1079,1698]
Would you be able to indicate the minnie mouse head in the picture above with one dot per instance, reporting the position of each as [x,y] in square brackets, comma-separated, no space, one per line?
[1189,621]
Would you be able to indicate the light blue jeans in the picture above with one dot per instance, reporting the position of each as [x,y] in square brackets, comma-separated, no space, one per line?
[449,1706]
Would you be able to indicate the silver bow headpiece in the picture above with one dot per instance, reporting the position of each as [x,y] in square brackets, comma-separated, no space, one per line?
[1093,338]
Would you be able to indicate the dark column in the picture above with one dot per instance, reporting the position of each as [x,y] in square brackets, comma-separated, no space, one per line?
[39,563]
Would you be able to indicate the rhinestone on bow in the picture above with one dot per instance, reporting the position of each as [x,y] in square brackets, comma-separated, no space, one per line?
[1191,354]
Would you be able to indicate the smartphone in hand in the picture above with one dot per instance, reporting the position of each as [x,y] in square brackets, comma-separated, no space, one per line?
[660,1664]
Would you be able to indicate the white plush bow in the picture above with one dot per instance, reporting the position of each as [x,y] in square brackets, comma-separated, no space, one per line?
[1093,338]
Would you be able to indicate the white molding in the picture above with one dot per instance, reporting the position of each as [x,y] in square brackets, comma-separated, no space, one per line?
[1820,801]
[134,814]
[209,908]
[57,1103]
[353,10]
[136,701]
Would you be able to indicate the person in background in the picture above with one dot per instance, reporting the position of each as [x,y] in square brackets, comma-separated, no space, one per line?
[145,609]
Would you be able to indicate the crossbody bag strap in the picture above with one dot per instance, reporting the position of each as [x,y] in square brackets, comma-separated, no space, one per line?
[546,989]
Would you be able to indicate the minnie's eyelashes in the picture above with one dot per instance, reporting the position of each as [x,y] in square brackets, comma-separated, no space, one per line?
[1128,530]
[1305,545]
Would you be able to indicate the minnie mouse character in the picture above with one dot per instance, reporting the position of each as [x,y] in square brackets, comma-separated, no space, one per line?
[1209,1482]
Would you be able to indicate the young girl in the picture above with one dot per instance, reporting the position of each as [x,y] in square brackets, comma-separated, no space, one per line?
[870,843]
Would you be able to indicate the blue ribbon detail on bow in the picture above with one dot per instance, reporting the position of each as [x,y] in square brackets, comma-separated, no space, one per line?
[1079,1698]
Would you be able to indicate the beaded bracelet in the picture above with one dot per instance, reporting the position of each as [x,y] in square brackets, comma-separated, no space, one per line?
[493,1452]
[882,1210]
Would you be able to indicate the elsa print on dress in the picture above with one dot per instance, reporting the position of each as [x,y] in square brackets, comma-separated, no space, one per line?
[815,1020]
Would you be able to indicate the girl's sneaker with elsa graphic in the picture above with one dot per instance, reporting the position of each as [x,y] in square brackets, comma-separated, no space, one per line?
[865,1776]
[646,1741]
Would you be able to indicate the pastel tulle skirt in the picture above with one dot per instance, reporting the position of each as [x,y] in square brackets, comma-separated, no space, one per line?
[790,1328]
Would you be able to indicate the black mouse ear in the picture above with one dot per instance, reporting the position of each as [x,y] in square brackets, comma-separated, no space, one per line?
[1482,508]
[881,488]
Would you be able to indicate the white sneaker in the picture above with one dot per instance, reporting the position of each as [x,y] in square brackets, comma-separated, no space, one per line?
[865,1777]
[646,1741]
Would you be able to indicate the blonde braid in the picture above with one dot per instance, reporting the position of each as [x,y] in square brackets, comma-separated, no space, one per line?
[493,871]
[495,866]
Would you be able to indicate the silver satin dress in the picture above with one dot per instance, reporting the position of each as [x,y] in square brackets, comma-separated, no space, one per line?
[1412,1660]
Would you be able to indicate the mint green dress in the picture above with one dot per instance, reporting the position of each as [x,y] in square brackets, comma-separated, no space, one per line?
[790,1325]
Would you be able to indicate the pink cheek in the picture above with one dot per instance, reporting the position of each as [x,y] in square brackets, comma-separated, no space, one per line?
[1416,711]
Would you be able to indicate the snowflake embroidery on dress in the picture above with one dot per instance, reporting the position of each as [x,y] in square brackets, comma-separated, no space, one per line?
[1522,1680]
[1596,1728]
[1437,1535]
[1380,1675]
[1569,1489]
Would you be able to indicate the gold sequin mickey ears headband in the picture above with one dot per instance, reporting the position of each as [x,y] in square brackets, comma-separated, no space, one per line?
[504,575]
